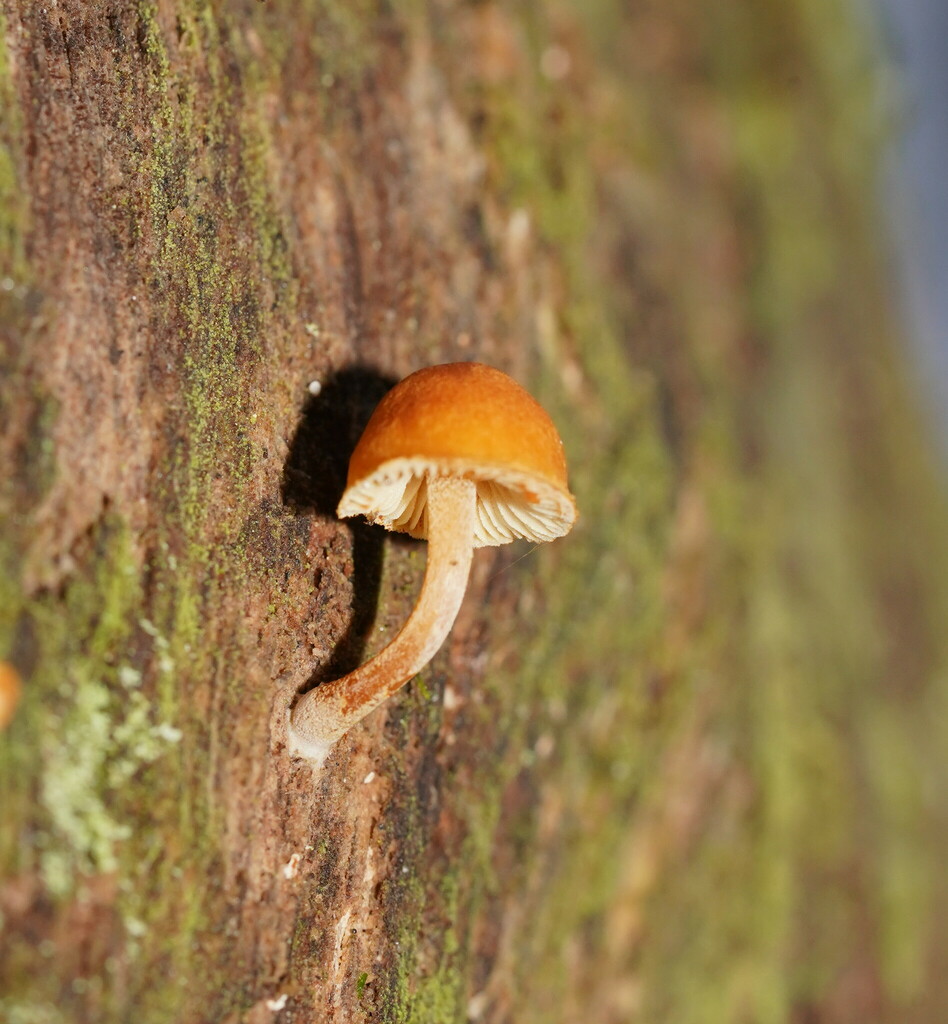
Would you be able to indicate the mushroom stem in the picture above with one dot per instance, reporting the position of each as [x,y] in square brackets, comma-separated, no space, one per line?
[324,714]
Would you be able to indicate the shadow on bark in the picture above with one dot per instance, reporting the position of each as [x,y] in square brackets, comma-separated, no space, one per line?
[314,478]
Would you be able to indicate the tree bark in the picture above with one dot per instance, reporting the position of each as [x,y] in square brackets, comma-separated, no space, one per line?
[684,765]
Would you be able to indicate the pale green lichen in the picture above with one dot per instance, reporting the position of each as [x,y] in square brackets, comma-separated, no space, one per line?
[100,732]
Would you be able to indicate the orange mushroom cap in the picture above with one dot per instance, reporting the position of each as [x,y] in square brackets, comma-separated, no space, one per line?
[467,420]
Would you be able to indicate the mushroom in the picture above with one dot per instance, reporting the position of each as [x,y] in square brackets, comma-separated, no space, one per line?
[10,690]
[459,454]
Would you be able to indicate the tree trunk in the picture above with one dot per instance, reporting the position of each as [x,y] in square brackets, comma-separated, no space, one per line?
[684,765]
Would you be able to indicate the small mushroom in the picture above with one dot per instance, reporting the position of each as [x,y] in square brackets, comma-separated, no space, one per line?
[10,690]
[459,454]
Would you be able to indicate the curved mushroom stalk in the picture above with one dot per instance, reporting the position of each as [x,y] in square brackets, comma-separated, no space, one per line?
[327,712]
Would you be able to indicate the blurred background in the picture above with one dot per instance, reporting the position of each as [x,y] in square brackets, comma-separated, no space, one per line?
[914,34]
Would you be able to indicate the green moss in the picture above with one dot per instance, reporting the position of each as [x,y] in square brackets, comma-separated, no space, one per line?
[13,212]
[346,37]
[215,145]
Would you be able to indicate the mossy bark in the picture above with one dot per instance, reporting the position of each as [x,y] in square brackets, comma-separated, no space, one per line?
[684,765]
